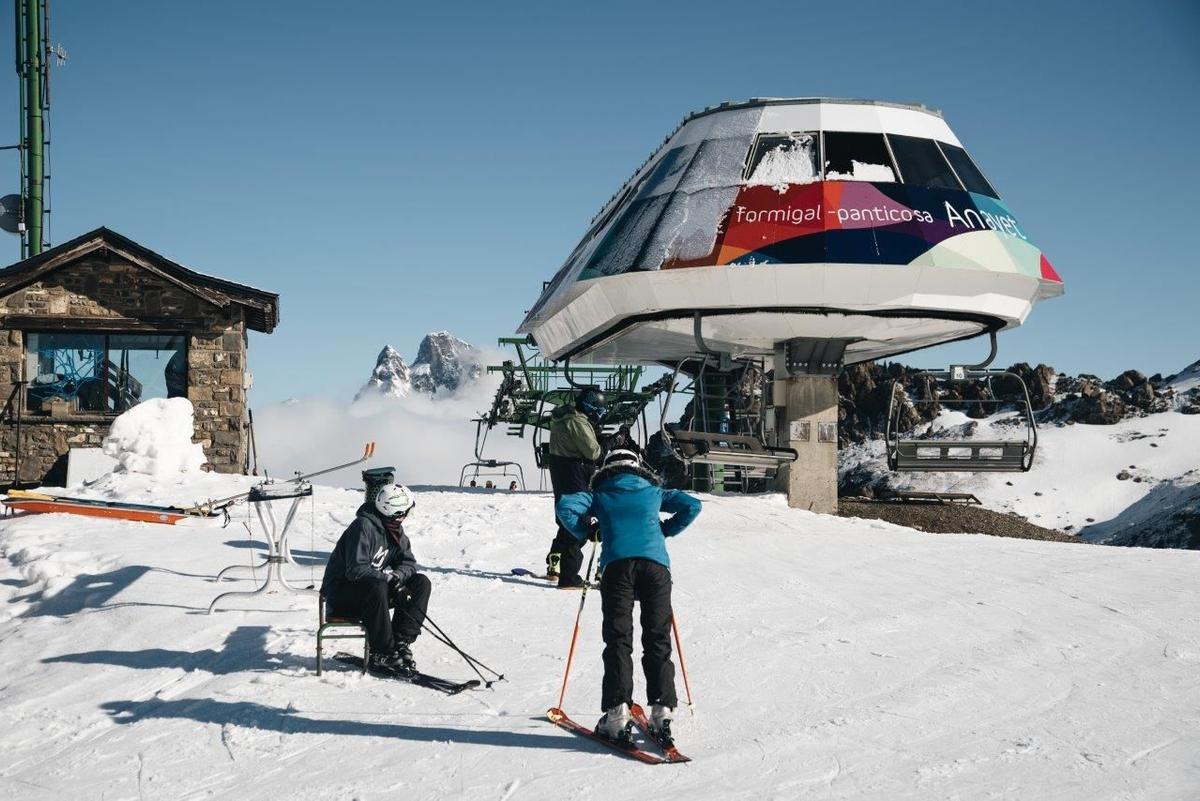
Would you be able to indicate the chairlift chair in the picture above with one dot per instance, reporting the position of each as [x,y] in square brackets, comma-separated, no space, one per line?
[489,468]
[747,452]
[1013,455]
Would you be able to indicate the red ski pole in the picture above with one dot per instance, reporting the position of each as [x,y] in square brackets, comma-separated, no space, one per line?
[682,666]
[575,634]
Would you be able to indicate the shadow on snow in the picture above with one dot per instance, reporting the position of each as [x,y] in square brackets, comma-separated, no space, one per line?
[251,715]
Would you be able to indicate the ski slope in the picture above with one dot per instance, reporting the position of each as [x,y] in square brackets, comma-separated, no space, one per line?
[830,658]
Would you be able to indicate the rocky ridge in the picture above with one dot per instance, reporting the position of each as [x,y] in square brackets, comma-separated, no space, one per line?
[444,364]
[865,390]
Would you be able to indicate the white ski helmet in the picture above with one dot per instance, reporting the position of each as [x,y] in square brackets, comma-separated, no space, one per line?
[622,456]
[394,500]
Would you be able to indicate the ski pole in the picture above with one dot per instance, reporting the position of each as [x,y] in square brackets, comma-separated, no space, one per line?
[442,637]
[575,634]
[445,638]
[682,666]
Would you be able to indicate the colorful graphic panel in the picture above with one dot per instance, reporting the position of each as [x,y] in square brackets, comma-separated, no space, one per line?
[853,222]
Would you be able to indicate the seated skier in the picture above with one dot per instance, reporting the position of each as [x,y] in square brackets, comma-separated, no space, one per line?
[626,499]
[371,569]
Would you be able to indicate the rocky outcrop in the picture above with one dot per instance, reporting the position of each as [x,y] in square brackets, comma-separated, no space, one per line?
[865,391]
[445,363]
[391,377]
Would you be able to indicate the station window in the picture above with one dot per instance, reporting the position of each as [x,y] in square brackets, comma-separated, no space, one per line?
[857,157]
[921,163]
[968,173]
[97,372]
[778,159]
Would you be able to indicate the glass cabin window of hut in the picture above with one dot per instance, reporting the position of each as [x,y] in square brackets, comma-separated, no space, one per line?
[857,157]
[782,159]
[968,173]
[97,372]
[921,163]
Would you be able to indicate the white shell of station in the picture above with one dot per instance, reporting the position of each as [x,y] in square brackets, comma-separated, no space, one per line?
[776,219]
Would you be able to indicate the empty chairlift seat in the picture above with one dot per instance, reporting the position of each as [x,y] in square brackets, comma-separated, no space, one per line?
[917,454]
[736,450]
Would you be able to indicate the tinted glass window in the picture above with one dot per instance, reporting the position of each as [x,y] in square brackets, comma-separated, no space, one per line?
[779,159]
[968,173]
[921,163]
[857,157]
[104,372]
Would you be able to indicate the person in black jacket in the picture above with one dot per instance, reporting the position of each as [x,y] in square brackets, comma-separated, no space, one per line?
[371,569]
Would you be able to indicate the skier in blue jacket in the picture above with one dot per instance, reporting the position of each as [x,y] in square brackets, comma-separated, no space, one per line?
[627,500]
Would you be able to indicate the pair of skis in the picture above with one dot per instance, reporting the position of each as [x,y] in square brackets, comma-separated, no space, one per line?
[436,683]
[670,753]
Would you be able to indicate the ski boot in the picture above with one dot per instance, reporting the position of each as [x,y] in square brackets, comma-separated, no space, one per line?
[616,725]
[408,665]
[660,725]
[387,663]
[553,570]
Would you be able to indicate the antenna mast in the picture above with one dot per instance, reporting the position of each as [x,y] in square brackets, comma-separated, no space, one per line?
[32,49]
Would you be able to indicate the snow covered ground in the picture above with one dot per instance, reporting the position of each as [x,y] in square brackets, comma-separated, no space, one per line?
[830,658]
[1074,481]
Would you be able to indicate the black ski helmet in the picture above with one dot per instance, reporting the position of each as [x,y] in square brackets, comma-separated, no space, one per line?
[592,403]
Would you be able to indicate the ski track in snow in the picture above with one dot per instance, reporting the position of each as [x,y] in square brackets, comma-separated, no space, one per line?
[830,658]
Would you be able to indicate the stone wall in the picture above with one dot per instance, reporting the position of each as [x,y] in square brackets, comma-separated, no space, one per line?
[114,293]
[216,366]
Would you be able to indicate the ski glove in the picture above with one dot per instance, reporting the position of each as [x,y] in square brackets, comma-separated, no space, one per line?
[593,529]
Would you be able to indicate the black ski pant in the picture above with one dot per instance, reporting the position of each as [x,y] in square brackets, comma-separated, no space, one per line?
[649,583]
[570,555]
[369,600]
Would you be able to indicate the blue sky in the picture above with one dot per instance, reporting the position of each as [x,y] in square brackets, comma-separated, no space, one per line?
[391,169]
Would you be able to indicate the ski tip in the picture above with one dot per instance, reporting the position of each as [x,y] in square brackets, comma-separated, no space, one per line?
[555,714]
[369,450]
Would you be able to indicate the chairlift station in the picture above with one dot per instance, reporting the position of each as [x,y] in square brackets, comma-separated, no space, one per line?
[810,233]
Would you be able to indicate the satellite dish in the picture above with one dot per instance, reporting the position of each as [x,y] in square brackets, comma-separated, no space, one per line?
[10,214]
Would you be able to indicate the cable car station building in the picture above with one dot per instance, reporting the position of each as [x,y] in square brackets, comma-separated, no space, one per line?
[809,233]
[98,324]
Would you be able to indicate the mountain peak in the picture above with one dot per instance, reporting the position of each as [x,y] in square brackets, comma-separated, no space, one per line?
[444,363]
[391,377]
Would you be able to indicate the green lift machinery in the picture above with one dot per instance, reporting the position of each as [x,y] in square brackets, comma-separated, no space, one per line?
[532,386]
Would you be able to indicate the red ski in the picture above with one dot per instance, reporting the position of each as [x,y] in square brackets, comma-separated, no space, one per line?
[642,722]
[560,719]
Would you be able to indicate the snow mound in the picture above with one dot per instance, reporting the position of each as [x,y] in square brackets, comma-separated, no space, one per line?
[154,438]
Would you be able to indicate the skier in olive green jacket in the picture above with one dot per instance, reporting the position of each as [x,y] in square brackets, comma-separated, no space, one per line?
[574,453]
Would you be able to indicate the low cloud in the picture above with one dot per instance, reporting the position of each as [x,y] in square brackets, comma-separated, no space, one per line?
[427,439]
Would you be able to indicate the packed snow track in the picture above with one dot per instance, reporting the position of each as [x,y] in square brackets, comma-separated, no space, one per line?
[830,658]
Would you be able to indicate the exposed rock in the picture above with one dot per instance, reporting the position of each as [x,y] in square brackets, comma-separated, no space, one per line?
[391,377]
[866,389]
[445,362]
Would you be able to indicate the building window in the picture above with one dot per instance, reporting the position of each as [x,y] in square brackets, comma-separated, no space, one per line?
[784,159]
[96,372]
[857,157]
[921,162]
[968,173]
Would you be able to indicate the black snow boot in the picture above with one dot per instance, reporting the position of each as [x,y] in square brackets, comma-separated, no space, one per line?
[408,665]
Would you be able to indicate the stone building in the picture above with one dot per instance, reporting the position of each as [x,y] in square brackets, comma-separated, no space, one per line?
[100,323]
